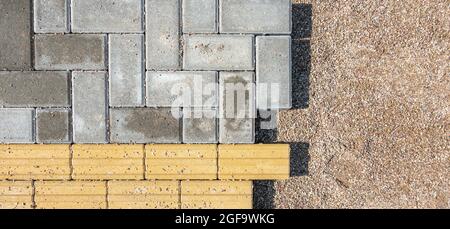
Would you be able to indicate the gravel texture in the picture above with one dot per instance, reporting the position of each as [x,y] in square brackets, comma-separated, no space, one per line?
[371,123]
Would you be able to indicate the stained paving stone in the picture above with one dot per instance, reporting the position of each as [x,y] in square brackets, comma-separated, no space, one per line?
[218,52]
[16,125]
[34,89]
[89,107]
[126,70]
[50,16]
[162,34]
[145,125]
[236,107]
[255,16]
[107,16]
[15,37]
[52,126]
[199,16]
[199,125]
[182,89]
[70,52]
[273,72]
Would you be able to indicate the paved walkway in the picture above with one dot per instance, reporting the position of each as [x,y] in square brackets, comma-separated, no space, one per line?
[74,73]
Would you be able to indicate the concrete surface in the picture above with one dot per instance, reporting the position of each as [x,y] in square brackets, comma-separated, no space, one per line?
[17,125]
[199,16]
[52,126]
[371,92]
[50,16]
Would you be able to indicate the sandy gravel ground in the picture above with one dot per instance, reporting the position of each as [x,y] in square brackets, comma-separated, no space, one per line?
[371,124]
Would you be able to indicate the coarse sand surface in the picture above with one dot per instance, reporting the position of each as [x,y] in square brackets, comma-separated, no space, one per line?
[370,127]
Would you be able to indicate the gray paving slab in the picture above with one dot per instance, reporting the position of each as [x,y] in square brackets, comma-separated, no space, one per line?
[34,89]
[145,125]
[52,126]
[70,52]
[15,35]
[218,52]
[163,34]
[89,107]
[200,16]
[273,72]
[16,125]
[107,16]
[182,89]
[199,125]
[50,16]
[255,16]
[126,70]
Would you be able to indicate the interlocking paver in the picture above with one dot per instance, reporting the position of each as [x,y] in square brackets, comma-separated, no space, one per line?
[273,72]
[50,16]
[34,89]
[126,70]
[52,126]
[176,161]
[199,16]
[89,107]
[218,52]
[199,125]
[16,195]
[145,125]
[70,194]
[236,107]
[70,52]
[216,194]
[182,89]
[117,162]
[16,125]
[15,37]
[162,34]
[107,16]
[143,194]
[255,16]
[32,161]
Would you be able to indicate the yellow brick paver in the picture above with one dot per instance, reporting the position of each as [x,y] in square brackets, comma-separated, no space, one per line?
[31,161]
[254,162]
[181,161]
[70,194]
[108,162]
[16,195]
[216,194]
[143,194]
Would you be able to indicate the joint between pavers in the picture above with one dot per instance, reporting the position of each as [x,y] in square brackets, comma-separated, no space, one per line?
[32,55]
[71,162]
[33,194]
[107,194]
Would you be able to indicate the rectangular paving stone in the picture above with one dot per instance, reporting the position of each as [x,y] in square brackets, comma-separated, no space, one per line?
[126,70]
[16,125]
[255,16]
[70,194]
[16,195]
[107,16]
[199,125]
[50,16]
[216,195]
[254,162]
[15,37]
[182,89]
[273,72]
[34,89]
[218,52]
[143,194]
[236,107]
[89,107]
[145,125]
[181,161]
[37,162]
[117,162]
[163,34]
[70,52]
[199,16]
[52,126]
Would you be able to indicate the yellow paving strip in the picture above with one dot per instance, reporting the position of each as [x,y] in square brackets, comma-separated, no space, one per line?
[136,175]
